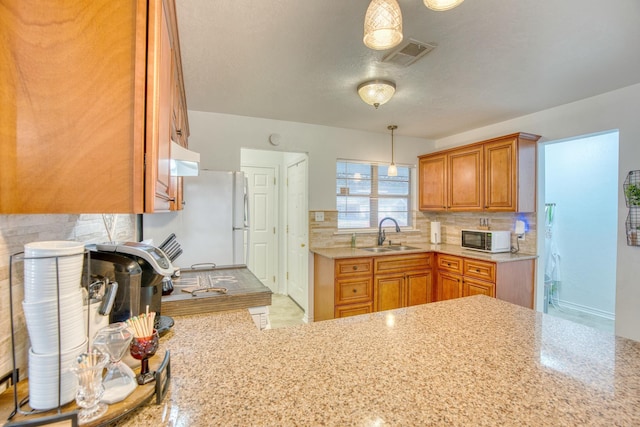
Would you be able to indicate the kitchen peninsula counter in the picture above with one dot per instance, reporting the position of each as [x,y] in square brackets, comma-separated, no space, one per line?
[422,365]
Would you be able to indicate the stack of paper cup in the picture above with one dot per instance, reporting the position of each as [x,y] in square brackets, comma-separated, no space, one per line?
[54,315]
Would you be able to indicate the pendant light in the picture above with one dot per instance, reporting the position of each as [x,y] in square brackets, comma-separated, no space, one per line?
[376,92]
[392,170]
[441,5]
[382,25]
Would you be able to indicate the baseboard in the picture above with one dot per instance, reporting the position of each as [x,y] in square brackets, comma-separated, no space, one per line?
[588,310]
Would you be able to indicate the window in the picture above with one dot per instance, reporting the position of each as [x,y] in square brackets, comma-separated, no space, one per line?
[365,194]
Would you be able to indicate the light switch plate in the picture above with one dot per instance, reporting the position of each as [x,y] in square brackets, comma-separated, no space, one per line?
[319,216]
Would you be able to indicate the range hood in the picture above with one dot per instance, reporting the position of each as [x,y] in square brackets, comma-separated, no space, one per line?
[184,162]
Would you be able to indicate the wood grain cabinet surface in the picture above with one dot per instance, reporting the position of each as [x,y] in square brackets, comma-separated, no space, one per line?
[88,95]
[351,286]
[496,175]
[460,277]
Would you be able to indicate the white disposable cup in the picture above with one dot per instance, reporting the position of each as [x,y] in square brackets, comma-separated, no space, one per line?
[42,323]
[51,267]
[44,376]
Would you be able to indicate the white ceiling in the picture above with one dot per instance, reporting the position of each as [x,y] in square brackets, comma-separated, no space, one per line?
[301,60]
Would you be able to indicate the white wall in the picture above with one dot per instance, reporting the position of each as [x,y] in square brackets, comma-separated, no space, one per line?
[610,111]
[581,179]
[219,138]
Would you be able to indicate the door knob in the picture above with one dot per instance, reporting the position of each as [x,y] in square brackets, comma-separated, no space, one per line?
[302,245]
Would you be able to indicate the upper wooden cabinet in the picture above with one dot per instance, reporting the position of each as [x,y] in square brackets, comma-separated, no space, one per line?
[495,175]
[87,100]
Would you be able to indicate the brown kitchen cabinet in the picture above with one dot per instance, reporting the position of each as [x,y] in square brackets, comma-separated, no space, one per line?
[497,175]
[510,173]
[402,280]
[511,281]
[432,172]
[351,286]
[451,180]
[94,86]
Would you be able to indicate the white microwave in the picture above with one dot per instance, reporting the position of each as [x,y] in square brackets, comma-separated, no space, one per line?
[487,240]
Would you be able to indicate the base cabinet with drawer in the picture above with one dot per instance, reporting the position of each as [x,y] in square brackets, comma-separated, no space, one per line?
[509,281]
[352,286]
[401,281]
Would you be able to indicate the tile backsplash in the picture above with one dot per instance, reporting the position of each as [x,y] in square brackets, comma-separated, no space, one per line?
[15,232]
[325,234]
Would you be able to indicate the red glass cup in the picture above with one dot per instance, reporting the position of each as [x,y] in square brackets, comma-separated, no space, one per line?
[142,348]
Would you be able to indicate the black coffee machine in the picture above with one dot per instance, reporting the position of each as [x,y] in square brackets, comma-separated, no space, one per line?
[139,270]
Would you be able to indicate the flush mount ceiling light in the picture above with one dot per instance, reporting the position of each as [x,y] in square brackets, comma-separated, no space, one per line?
[382,25]
[376,92]
[441,5]
[392,170]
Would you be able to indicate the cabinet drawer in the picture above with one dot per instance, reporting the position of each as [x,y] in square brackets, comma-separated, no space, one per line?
[353,310]
[353,266]
[480,269]
[478,287]
[449,263]
[401,263]
[354,289]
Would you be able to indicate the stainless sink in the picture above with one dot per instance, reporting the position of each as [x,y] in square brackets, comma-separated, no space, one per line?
[377,249]
[389,248]
[401,248]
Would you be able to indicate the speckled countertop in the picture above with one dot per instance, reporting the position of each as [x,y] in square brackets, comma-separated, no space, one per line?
[336,253]
[473,361]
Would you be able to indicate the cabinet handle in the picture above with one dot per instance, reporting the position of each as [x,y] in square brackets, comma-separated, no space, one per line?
[163,197]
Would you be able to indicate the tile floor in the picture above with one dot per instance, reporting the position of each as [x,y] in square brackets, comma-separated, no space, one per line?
[587,319]
[284,312]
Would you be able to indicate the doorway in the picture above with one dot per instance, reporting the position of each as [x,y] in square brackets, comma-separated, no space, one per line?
[275,254]
[579,227]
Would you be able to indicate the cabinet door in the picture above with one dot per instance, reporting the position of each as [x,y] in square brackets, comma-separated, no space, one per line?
[465,179]
[420,288]
[477,287]
[71,125]
[388,292]
[432,182]
[500,159]
[158,195]
[449,286]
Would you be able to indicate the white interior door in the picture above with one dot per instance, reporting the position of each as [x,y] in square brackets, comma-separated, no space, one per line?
[262,224]
[297,234]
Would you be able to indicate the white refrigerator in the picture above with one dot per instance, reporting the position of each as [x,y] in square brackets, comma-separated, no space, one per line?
[213,225]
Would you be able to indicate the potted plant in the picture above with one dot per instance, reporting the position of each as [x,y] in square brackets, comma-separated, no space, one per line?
[632,193]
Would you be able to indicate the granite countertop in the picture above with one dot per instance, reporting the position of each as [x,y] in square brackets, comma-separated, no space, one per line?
[466,362]
[336,253]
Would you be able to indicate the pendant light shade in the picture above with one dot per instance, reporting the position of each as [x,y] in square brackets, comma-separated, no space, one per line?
[383,25]
[376,92]
[392,170]
[441,5]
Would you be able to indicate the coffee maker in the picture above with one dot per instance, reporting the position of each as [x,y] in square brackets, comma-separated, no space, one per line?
[139,270]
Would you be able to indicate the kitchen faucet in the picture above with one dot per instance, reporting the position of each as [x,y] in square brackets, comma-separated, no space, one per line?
[381,234]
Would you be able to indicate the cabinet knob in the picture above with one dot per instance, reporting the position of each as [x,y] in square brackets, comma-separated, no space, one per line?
[355,290]
[448,264]
[477,270]
[355,267]
[179,132]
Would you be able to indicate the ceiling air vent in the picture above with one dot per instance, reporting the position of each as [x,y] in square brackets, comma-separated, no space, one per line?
[408,53]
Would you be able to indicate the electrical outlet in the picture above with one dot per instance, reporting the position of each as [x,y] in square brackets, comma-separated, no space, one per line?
[319,216]
[521,237]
